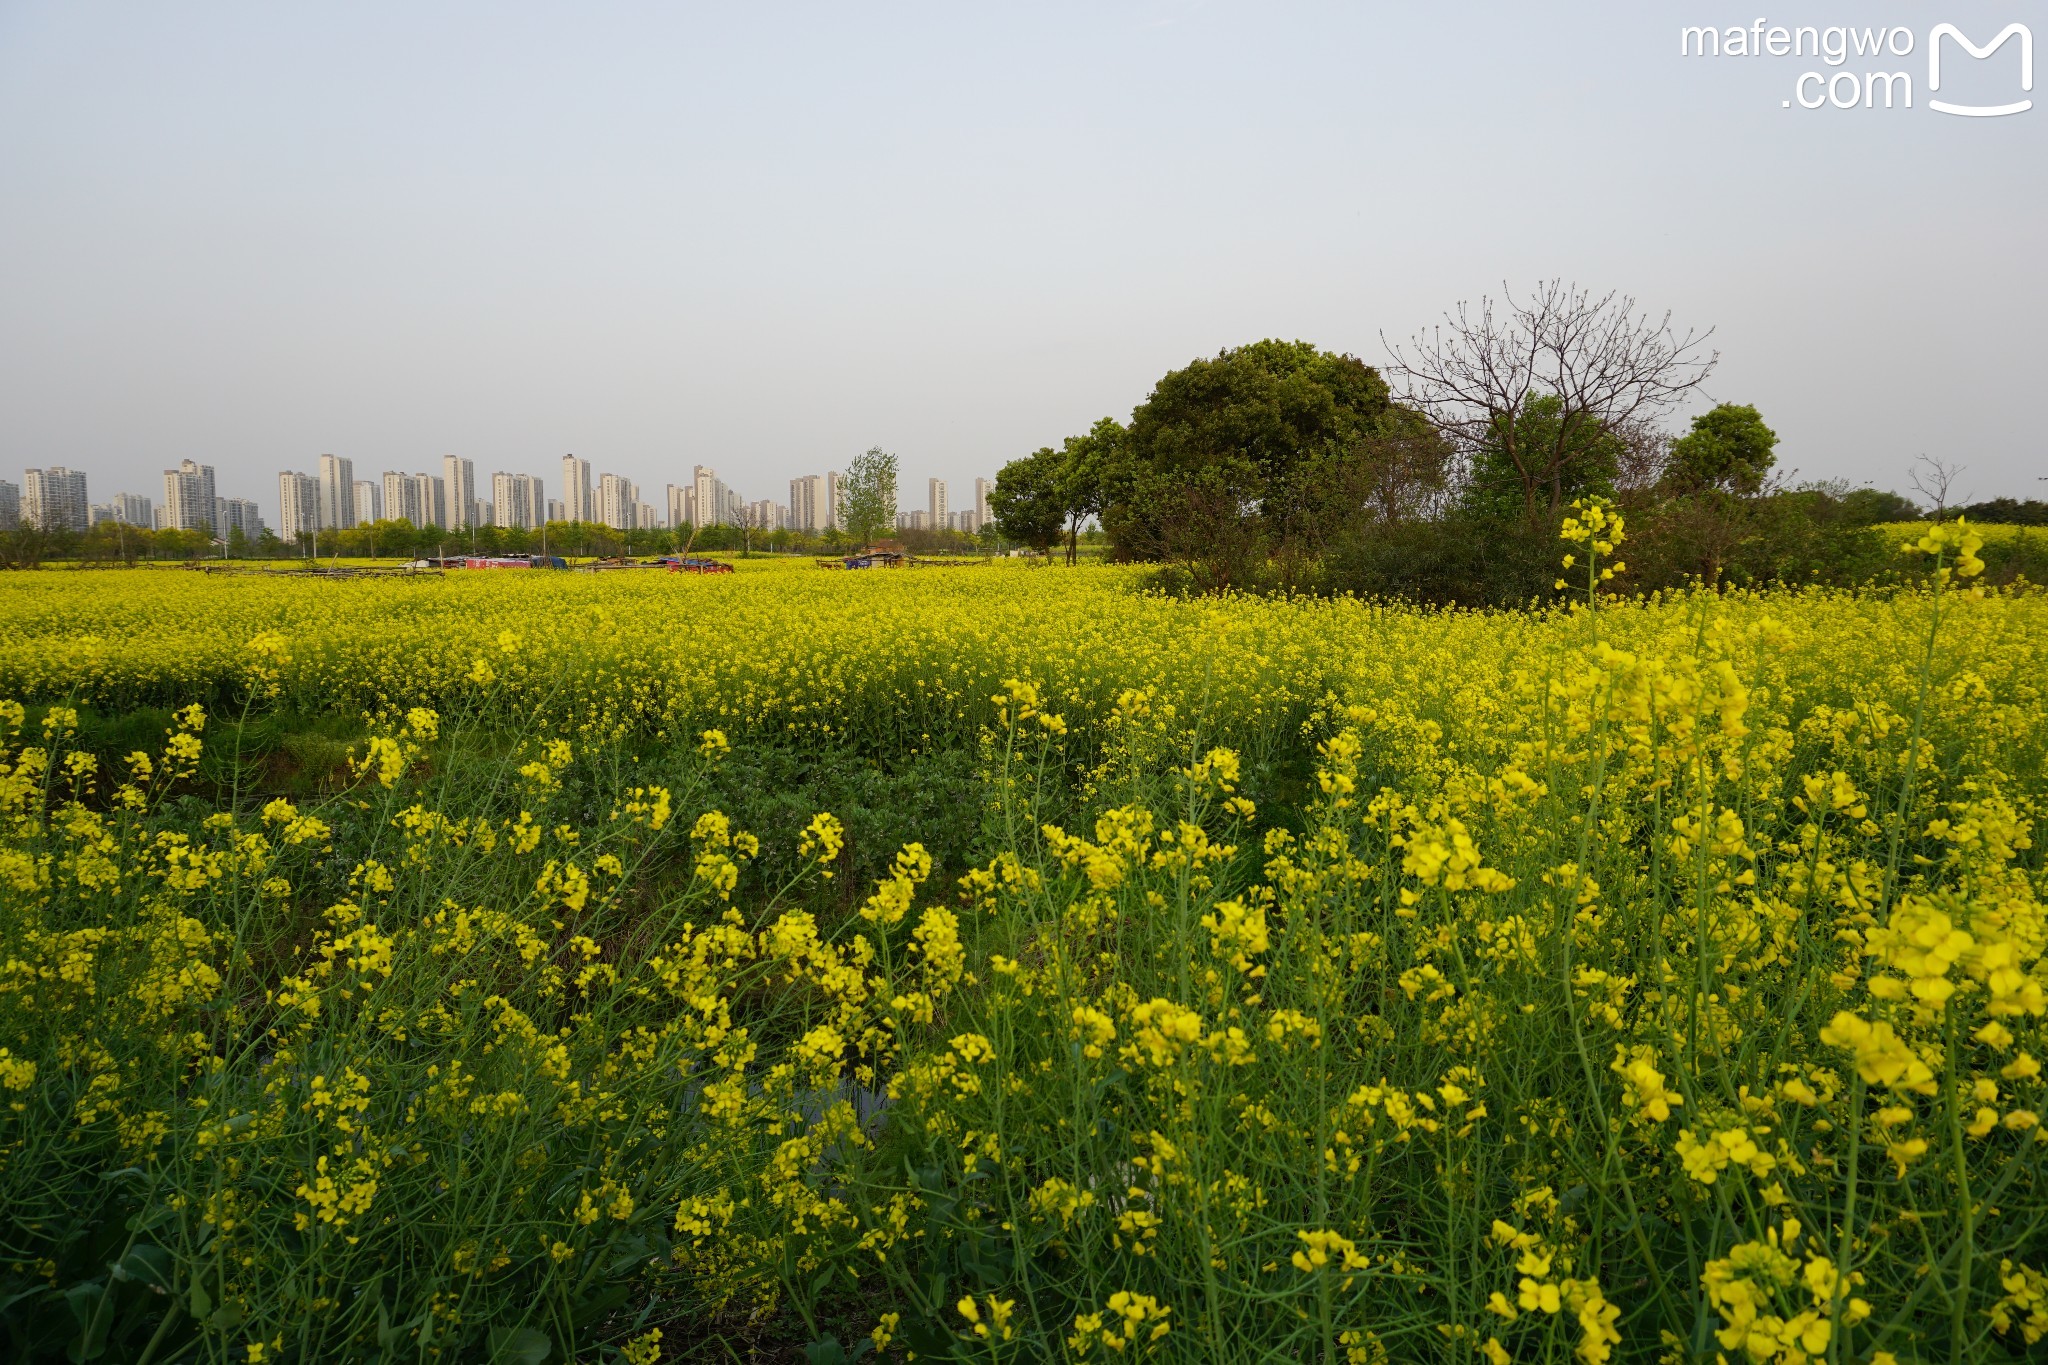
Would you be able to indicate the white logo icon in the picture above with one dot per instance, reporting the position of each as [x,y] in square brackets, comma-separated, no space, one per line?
[2026,38]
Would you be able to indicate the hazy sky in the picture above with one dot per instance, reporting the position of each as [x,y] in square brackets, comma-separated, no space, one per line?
[763,237]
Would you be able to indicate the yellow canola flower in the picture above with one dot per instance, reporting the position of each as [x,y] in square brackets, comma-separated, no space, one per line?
[1647,1092]
[1161,1030]
[1322,1249]
[1881,1056]
[995,1325]
[1956,541]
[1705,1158]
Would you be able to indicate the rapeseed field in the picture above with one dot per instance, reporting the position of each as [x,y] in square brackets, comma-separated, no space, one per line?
[1632,980]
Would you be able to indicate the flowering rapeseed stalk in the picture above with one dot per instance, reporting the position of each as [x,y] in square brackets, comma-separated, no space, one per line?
[1596,528]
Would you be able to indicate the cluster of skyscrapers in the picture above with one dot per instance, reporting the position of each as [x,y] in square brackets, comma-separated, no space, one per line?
[333,498]
[56,500]
[937,515]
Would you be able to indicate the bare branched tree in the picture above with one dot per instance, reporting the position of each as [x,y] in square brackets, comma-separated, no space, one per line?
[1934,481]
[1398,473]
[1609,367]
[1645,455]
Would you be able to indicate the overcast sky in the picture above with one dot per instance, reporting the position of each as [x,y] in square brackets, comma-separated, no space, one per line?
[763,237]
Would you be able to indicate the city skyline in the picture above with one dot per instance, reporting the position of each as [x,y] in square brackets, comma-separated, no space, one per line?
[332,496]
[329,497]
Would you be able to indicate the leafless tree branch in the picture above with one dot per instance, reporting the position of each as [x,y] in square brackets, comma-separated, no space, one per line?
[1611,368]
[1934,480]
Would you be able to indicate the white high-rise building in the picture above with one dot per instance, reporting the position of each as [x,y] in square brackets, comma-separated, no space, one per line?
[682,505]
[714,504]
[577,502]
[766,515]
[399,498]
[55,499]
[417,498]
[10,506]
[981,487]
[811,504]
[130,509]
[703,487]
[458,482]
[616,498]
[369,502]
[298,497]
[237,514]
[517,501]
[337,493]
[835,499]
[919,520]
[189,502]
[935,503]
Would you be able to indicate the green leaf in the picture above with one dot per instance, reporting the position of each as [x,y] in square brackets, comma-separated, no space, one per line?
[628,1255]
[91,1340]
[825,1351]
[146,1265]
[519,1346]
[82,1299]
[930,1341]
[589,1310]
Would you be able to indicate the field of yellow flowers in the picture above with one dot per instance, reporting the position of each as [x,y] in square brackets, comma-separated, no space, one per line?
[1637,980]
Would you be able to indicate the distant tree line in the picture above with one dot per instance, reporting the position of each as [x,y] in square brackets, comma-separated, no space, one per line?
[1279,466]
[2006,511]
[111,543]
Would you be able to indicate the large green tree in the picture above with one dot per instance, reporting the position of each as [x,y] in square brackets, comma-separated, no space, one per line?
[1086,465]
[1029,499]
[1233,456]
[868,497]
[1729,448]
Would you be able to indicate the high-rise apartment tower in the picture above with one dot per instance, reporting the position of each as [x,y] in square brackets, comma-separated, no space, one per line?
[517,501]
[458,485]
[577,502]
[189,498]
[55,499]
[298,497]
[337,493]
